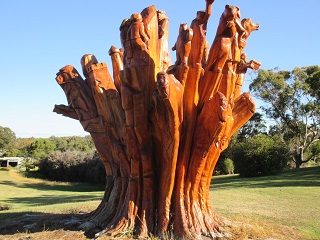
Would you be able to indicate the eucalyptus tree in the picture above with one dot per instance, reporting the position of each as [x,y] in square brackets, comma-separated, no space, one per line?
[292,100]
[7,139]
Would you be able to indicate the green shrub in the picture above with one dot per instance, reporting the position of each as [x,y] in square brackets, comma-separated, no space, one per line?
[260,155]
[4,207]
[228,166]
[73,166]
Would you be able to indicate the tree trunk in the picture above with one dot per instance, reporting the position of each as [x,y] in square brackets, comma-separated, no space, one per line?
[159,130]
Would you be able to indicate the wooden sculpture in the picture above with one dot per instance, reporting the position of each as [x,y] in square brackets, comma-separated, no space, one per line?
[160,128]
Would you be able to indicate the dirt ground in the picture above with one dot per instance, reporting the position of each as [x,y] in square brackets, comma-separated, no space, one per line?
[39,226]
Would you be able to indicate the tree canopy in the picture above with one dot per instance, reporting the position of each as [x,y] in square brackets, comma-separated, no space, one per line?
[7,139]
[292,101]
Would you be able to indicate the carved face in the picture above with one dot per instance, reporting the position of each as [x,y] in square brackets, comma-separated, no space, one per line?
[136,17]
[201,15]
[231,13]
[163,84]
[222,102]
[183,27]
[66,74]
[244,57]
[249,26]
[161,15]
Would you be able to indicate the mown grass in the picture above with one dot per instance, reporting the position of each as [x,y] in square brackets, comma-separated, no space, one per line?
[290,200]
[25,195]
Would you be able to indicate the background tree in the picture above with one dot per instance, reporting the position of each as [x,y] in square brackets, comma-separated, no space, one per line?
[7,139]
[40,149]
[260,155]
[73,166]
[72,143]
[292,101]
[253,127]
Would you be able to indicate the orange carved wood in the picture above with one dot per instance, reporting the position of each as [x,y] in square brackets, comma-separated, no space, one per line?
[160,128]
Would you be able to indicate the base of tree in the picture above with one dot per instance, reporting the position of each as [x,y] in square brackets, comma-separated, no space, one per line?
[66,226]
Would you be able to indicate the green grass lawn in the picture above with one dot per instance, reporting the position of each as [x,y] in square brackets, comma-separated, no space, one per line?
[289,199]
[24,195]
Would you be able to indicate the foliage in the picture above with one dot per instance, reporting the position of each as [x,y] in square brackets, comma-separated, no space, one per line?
[253,127]
[40,148]
[228,166]
[73,166]
[7,139]
[313,79]
[28,164]
[74,143]
[260,155]
[292,102]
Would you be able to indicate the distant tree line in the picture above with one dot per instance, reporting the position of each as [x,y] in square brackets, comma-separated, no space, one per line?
[69,159]
[39,148]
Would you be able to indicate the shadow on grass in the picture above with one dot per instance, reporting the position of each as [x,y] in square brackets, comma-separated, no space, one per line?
[48,199]
[74,187]
[33,222]
[305,177]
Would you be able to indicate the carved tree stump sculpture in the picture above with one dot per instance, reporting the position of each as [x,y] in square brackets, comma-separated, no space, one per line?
[160,128]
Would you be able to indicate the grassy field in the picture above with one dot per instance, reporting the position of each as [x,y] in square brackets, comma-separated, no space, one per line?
[285,206]
[27,195]
[290,199]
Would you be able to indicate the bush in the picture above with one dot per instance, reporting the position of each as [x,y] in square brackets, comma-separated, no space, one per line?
[73,166]
[260,155]
[4,207]
[228,166]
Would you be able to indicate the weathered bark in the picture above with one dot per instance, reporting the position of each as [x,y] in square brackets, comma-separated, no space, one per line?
[160,129]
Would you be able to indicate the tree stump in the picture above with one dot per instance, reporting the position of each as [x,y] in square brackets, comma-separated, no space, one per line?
[160,128]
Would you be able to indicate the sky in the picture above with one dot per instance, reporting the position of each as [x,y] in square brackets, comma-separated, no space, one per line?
[40,37]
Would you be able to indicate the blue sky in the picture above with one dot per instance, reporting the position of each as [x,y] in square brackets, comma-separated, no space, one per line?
[39,37]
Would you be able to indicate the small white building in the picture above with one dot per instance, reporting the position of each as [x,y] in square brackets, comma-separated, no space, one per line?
[10,161]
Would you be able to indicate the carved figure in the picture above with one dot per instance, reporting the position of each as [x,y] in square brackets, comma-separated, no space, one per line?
[241,71]
[159,134]
[243,65]
[163,24]
[183,45]
[125,39]
[78,94]
[249,26]
[138,37]
[199,27]
[223,55]
[223,44]
[167,118]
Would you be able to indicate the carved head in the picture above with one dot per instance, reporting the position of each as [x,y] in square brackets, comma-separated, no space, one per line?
[201,15]
[136,17]
[67,74]
[125,23]
[231,13]
[86,61]
[183,27]
[161,15]
[222,103]
[244,57]
[163,84]
[249,26]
